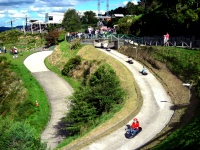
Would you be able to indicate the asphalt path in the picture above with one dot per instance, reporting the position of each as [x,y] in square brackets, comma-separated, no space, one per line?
[57,91]
[154,115]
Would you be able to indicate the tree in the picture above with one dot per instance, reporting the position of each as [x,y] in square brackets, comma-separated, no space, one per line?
[52,37]
[130,8]
[71,21]
[124,25]
[106,89]
[89,17]
[18,135]
[101,93]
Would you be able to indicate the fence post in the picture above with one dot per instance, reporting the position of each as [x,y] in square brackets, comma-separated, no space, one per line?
[175,43]
[136,52]
[118,42]
[190,44]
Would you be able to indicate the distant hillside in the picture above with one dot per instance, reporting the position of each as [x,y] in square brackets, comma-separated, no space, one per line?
[9,28]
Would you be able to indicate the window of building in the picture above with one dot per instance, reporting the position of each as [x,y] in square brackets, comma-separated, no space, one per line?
[50,17]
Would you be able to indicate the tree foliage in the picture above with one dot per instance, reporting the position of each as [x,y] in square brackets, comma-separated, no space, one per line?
[89,18]
[52,37]
[71,21]
[180,17]
[18,135]
[70,65]
[101,93]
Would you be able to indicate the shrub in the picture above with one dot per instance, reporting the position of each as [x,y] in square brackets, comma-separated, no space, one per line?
[71,64]
[75,43]
[100,95]
[19,136]
[61,36]
[25,109]
[52,37]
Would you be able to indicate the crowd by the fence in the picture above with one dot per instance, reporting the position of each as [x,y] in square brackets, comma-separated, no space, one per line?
[91,33]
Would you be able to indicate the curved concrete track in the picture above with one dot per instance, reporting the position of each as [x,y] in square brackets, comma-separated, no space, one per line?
[57,91]
[154,115]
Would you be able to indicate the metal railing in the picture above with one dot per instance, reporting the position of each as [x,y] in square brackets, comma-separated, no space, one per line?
[131,39]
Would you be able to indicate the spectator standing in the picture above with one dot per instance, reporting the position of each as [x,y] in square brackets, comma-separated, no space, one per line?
[4,48]
[166,39]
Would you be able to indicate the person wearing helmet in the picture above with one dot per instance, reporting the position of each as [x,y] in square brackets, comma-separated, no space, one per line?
[135,126]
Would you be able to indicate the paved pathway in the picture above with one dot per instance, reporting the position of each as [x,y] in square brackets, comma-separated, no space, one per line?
[57,91]
[154,115]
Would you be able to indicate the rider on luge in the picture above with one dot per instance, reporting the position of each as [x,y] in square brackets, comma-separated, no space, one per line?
[135,127]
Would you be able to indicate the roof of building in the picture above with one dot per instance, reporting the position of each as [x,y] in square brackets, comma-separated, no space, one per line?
[118,15]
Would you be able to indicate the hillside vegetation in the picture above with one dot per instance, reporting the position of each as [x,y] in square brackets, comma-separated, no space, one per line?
[23,42]
[21,121]
[89,54]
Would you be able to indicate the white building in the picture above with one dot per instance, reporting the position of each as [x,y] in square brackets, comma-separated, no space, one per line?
[117,15]
[54,18]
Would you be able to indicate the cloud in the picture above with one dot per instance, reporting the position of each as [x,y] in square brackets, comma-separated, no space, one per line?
[2,15]
[15,2]
[36,9]
[135,2]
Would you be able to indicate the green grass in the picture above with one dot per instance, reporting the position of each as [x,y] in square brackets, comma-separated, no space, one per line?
[41,114]
[66,55]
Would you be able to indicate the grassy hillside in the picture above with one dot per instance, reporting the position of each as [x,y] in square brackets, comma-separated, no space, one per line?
[173,67]
[22,91]
[160,61]
[131,106]
[24,42]
[21,121]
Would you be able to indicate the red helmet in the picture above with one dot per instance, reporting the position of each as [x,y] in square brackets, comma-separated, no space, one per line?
[135,119]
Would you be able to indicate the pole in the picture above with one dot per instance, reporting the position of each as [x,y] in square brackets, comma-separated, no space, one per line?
[11,23]
[40,26]
[24,28]
[118,42]
[189,87]
[189,92]
[31,28]
[26,21]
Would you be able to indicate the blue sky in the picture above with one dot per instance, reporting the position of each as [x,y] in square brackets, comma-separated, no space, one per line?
[17,10]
